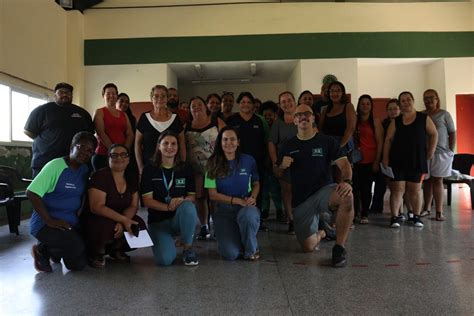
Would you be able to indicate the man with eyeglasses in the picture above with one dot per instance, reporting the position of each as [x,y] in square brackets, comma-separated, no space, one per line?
[309,156]
[52,126]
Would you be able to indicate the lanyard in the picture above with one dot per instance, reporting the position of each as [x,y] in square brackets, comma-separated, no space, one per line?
[165,182]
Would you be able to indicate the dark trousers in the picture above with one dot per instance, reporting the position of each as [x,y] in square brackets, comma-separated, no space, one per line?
[363,178]
[65,244]
[379,193]
[99,234]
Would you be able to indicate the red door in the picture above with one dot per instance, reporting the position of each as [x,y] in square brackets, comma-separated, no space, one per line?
[464,123]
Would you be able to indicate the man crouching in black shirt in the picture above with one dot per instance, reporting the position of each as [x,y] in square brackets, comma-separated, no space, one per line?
[309,156]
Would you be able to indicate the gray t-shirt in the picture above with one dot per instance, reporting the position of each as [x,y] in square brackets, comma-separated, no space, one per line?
[444,125]
[281,132]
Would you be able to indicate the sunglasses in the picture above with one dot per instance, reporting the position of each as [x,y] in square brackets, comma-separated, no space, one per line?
[121,155]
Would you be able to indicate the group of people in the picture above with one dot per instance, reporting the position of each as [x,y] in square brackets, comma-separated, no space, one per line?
[186,165]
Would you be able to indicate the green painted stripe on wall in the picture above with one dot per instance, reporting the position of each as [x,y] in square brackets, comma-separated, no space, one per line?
[278,46]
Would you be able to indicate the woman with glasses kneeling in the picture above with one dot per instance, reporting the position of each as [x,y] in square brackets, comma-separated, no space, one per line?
[112,208]
[168,190]
[232,180]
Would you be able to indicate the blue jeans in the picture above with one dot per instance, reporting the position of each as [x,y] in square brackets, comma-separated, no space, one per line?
[162,233]
[236,230]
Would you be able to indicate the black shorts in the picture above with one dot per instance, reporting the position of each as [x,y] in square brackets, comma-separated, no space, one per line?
[409,175]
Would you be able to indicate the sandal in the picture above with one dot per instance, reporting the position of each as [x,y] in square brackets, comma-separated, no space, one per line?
[425,213]
[254,257]
[364,220]
[440,217]
[97,261]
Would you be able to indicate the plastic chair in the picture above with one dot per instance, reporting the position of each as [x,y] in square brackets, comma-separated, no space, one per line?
[9,181]
[463,163]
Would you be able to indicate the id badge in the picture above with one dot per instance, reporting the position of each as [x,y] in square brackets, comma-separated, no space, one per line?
[168,199]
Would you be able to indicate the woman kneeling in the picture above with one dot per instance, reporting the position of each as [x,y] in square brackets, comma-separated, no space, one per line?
[113,205]
[168,191]
[232,180]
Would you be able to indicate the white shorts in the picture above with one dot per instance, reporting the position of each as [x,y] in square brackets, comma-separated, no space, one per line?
[440,165]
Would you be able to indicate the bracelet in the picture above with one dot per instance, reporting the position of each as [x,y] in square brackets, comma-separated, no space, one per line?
[231,199]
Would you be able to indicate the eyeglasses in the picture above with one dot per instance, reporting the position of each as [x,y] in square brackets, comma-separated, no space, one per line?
[301,114]
[117,155]
[85,148]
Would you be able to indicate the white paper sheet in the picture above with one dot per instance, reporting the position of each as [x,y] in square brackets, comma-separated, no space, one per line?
[143,240]
[387,171]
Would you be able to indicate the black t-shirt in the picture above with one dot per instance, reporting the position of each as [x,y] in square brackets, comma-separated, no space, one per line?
[311,167]
[152,132]
[55,125]
[153,182]
[252,137]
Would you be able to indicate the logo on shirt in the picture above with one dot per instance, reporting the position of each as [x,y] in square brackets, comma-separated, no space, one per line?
[243,172]
[76,115]
[317,152]
[71,186]
[180,182]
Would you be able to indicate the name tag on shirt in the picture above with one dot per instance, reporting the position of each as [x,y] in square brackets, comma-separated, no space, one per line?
[181,182]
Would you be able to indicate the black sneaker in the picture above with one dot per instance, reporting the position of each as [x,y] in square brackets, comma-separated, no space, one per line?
[417,221]
[291,228]
[263,227]
[190,258]
[410,216]
[41,262]
[204,234]
[339,256]
[395,222]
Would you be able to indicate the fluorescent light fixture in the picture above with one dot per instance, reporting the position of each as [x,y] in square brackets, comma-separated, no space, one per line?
[253,69]
[199,71]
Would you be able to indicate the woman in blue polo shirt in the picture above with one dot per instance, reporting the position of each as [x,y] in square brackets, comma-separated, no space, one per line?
[233,182]
[56,195]
[168,190]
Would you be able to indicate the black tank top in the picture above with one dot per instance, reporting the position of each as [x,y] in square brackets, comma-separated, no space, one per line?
[335,125]
[408,149]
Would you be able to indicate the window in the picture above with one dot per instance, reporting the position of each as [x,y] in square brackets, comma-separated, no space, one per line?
[15,108]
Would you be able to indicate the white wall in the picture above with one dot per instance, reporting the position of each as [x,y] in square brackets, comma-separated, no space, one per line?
[278,18]
[388,80]
[294,82]
[436,79]
[262,91]
[314,70]
[135,80]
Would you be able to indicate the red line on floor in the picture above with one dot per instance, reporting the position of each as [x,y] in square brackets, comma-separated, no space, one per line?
[271,260]
[392,265]
[299,263]
[454,261]
[423,263]
[360,266]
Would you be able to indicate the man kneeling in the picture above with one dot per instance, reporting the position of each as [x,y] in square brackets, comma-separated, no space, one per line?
[309,156]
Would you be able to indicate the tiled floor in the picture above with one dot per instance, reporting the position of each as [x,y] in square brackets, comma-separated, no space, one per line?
[427,271]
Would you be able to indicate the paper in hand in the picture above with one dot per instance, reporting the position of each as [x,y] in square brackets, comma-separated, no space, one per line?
[387,171]
[143,240]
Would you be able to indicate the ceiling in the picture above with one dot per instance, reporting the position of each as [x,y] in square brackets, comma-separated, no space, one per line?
[235,71]
[83,5]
